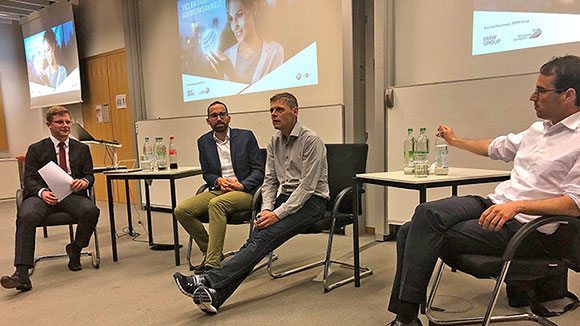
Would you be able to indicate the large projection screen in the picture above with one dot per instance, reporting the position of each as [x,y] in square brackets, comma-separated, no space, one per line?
[505,25]
[52,58]
[300,50]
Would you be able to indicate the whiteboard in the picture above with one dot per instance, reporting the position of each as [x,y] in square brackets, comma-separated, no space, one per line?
[327,121]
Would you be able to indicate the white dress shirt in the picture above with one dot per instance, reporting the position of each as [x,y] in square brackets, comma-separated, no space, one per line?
[546,164]
[225,155]
[57,150]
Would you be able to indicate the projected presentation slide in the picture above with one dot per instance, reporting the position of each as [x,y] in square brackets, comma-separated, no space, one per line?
[52,61]
[231,47]
[505,25]
[52,58]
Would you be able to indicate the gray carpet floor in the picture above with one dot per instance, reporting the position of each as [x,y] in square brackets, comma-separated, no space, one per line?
[139,288]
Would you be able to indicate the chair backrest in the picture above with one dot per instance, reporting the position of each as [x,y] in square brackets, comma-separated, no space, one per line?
[344,162]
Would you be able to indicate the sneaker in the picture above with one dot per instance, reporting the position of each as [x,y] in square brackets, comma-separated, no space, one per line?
[206,299]
[19,281]
[188,284]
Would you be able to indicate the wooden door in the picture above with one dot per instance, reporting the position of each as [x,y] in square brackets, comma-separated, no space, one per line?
[105,77]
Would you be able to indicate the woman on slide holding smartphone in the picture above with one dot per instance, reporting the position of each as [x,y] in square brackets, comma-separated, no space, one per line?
[252,57]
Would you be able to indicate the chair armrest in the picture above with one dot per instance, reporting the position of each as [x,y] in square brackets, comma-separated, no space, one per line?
[19,198]
[532,226]
[256,201]
[202,188]
[91,191]
[338,200]
[340,197]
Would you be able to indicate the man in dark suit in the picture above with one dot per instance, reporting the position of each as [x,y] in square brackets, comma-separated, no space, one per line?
[39,201]
[232,166]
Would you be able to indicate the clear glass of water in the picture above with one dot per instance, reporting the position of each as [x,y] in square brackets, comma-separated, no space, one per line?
[144,163]
[421,165]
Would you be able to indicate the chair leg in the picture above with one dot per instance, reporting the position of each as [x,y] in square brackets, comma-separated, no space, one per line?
[188,254]
[365,271]
[488,318]
[45,231]
[96,258]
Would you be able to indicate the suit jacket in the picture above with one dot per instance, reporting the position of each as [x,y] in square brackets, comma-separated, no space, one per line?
[246,159]
[42,152]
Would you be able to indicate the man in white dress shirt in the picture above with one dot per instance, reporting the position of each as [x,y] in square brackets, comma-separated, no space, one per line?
[545,180]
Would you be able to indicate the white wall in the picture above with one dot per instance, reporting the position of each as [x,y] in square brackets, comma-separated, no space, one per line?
[437,81]
[158,26]
[23,125]
[100,29]
[99,26]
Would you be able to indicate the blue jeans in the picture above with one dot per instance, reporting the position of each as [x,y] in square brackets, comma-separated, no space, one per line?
[232,273]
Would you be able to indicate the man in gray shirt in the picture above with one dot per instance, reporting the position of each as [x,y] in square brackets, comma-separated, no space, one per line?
[296,164]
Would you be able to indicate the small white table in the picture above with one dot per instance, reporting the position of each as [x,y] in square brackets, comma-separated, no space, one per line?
[168,174]
[455,178]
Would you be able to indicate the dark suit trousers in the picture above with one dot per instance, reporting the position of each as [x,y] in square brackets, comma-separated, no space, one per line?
[233,272]
[32,213]
[447,226]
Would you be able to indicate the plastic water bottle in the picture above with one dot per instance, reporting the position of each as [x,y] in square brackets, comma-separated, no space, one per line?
[160,153]
[421,154]
[441,156]
[172,154]
[422,142]
[147,157]
[408,150]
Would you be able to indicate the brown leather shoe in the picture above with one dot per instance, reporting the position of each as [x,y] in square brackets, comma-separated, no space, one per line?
[18,281]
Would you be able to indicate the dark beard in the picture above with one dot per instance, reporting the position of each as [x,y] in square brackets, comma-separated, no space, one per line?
[219,128]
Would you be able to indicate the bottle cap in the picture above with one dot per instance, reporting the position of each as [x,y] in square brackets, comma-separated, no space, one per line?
[410,129]
[146,138]
[423,129]
[171,137]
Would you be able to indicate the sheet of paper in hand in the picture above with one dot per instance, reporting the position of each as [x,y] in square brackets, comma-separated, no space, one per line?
[57,180]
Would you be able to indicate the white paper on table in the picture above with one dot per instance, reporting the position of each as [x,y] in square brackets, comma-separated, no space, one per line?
[57,180]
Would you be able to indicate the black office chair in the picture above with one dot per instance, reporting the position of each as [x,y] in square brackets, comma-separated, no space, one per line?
[507,268]
[59,219]
[237,218]
[344,162]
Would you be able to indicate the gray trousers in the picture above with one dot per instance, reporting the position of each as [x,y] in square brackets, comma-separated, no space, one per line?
[451,226]
[34,210]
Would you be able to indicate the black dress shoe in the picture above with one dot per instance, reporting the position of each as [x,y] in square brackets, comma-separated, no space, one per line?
[19,281]
[397,322]
[206,299]
[74,255]
[188,284]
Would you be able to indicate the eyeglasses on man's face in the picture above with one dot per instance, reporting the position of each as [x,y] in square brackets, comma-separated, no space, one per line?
[62,122]
[215,115]
[539,91]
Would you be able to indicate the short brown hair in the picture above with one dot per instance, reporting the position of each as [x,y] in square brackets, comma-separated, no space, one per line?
[288,98]
[56,110]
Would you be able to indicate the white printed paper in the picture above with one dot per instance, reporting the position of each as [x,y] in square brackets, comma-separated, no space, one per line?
[57,180]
